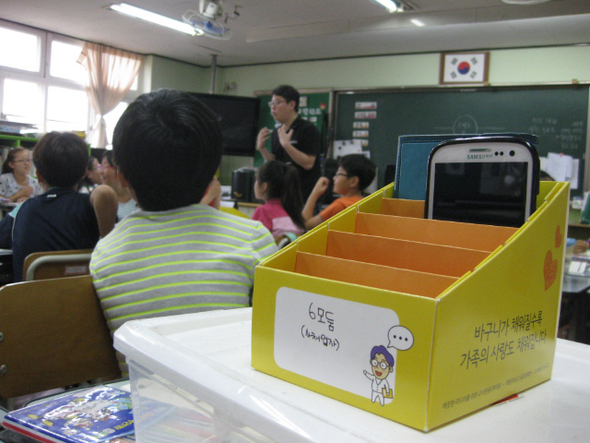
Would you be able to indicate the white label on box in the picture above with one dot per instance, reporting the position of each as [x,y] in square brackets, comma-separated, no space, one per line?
[341,343]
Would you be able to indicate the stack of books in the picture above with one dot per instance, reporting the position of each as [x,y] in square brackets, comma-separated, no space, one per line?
[99,414]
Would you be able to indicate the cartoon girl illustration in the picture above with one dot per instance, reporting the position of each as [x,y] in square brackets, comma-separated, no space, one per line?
[382,363]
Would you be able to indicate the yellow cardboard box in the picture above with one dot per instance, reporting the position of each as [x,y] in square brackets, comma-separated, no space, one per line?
[419,321]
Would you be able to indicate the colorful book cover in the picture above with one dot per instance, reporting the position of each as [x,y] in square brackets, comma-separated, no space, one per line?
[87,416]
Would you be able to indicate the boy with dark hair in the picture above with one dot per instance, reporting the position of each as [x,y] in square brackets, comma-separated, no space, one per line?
[295,141]
[173,255]
[355,173]
[167,146]
[61,218]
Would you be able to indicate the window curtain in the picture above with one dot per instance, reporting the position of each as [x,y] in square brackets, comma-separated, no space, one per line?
[111,73]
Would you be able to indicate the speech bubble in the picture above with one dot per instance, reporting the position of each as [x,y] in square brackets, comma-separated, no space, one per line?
[400,338]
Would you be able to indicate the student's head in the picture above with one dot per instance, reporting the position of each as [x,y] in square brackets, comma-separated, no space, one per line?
[93,171]
[92,176]
[108,171]
[167,147]
[288,94]
[277,180]
[60,159]
[354,170]
[17,160]
[271,179]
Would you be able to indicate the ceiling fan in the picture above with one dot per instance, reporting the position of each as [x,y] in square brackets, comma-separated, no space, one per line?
[211,19]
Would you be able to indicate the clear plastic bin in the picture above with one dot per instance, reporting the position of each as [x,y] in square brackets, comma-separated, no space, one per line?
[192,381]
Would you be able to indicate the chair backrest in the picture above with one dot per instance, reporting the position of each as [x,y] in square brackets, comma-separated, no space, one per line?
[56,264]
[285,239]
[233,211]
[52,334]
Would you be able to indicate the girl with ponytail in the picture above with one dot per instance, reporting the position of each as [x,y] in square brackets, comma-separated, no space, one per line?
[277,184]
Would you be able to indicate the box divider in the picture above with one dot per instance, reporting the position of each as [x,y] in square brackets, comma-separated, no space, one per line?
[372,275]
[462,235]
[434,259]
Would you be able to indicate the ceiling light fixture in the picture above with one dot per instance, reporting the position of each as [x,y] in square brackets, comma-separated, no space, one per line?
[390,5]
[524,2]
[417,22]
[152,17]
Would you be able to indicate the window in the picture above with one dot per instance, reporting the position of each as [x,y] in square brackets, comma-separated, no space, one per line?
[63,63]
[67,109]
[51,97]
[112,118]
[23,101]
[23,52]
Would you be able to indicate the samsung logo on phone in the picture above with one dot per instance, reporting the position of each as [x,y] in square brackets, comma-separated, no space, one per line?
[478,156]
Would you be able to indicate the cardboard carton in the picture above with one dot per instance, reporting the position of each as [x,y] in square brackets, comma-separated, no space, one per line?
[419,321]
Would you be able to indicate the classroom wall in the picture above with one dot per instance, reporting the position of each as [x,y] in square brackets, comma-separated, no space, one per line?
[524,66]
[508,66]
[369,72]
[160,72]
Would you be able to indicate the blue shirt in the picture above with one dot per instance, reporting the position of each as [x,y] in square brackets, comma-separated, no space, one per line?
[58,220]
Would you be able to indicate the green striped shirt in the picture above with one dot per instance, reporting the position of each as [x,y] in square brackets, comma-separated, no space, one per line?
[180,261]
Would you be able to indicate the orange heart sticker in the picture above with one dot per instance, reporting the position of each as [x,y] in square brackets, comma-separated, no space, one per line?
[549,270]
[558,237]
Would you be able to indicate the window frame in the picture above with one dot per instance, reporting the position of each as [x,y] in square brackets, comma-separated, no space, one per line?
[44,78]
[42,35]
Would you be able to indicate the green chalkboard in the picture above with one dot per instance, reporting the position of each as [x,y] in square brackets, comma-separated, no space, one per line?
[313,106]
[558,115]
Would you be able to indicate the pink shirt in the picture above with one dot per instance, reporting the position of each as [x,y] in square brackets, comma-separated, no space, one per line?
[274,217]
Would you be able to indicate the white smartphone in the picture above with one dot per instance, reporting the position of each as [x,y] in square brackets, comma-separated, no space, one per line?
[486,180]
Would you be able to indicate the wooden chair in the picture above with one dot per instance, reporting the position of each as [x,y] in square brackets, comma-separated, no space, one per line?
[56,264]
[52,334]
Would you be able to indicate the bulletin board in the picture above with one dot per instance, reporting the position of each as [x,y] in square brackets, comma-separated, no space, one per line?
[558,115]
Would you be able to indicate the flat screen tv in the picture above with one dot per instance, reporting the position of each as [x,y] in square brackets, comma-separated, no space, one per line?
[238,118]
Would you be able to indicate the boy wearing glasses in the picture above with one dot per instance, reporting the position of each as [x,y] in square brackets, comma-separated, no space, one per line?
[295,141]
[355,173]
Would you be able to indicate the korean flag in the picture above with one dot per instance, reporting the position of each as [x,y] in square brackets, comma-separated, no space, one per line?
[464,68]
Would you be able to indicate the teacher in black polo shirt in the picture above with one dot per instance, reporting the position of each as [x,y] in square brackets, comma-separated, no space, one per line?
[296,141]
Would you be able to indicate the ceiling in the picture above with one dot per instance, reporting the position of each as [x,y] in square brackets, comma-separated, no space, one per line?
[271,31]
